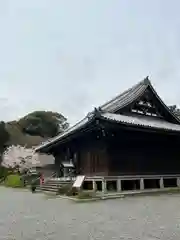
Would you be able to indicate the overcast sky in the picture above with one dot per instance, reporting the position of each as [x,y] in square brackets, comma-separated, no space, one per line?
[72,55]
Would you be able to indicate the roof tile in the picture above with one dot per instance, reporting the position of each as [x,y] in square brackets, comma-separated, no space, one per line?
[141,121]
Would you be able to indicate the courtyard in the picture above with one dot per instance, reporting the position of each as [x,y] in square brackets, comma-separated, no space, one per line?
[27,216]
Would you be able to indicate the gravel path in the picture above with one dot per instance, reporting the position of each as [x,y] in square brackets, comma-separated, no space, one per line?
[27,216]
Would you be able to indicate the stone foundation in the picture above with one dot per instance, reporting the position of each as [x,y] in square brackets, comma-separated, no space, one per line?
[131,183]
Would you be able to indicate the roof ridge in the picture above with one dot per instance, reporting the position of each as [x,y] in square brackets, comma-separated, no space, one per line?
[162,102]
[145,81]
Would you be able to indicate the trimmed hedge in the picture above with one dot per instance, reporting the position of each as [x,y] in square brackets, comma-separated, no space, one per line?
[14,180]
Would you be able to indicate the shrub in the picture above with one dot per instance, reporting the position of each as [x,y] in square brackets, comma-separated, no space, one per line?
[13,180]
[86,194]
[64,188]
[3,173]
[34,182]
[31,179]
[33,185]
[72,192]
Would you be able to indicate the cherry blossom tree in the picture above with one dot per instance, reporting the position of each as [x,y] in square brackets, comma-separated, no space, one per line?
[20,158]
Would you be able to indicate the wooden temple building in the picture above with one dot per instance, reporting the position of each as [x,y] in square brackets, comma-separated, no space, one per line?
[134,139]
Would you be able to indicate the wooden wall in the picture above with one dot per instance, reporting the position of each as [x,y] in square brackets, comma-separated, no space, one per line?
[91,155]
[94,161]
[144,153]
[123,152]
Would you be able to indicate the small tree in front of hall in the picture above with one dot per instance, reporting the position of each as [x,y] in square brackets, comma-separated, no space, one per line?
[19,158]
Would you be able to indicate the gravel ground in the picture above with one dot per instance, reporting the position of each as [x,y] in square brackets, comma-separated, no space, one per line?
[28,216]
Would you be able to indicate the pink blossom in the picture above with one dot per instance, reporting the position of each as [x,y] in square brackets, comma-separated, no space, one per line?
[19,157]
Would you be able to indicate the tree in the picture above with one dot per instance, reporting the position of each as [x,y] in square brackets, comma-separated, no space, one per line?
[19,158]
[4,136]
[175,110]
[18,137]
[43,123]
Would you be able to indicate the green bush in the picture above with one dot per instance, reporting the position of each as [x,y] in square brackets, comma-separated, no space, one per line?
[3,172]
[86,194]
[64,188]
[29,179]
[72,192]
[14,180]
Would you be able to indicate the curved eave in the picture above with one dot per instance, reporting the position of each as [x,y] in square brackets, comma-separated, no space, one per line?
[79,127]
[140,122]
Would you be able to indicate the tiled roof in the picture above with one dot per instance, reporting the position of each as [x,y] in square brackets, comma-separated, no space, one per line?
[141,121]
[67,132]
[125,98]
[133,93]
[116,104]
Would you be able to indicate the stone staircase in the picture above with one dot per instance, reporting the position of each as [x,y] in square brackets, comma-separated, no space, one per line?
[52,185]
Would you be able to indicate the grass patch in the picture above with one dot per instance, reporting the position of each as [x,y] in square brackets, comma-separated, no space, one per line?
[13,180]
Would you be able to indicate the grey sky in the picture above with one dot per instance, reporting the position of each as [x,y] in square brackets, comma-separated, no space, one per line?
[70,56]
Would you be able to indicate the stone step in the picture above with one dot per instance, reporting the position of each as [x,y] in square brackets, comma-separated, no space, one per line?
[45,186]
[63,179]
[52,185]
[47,189]
[57,182]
